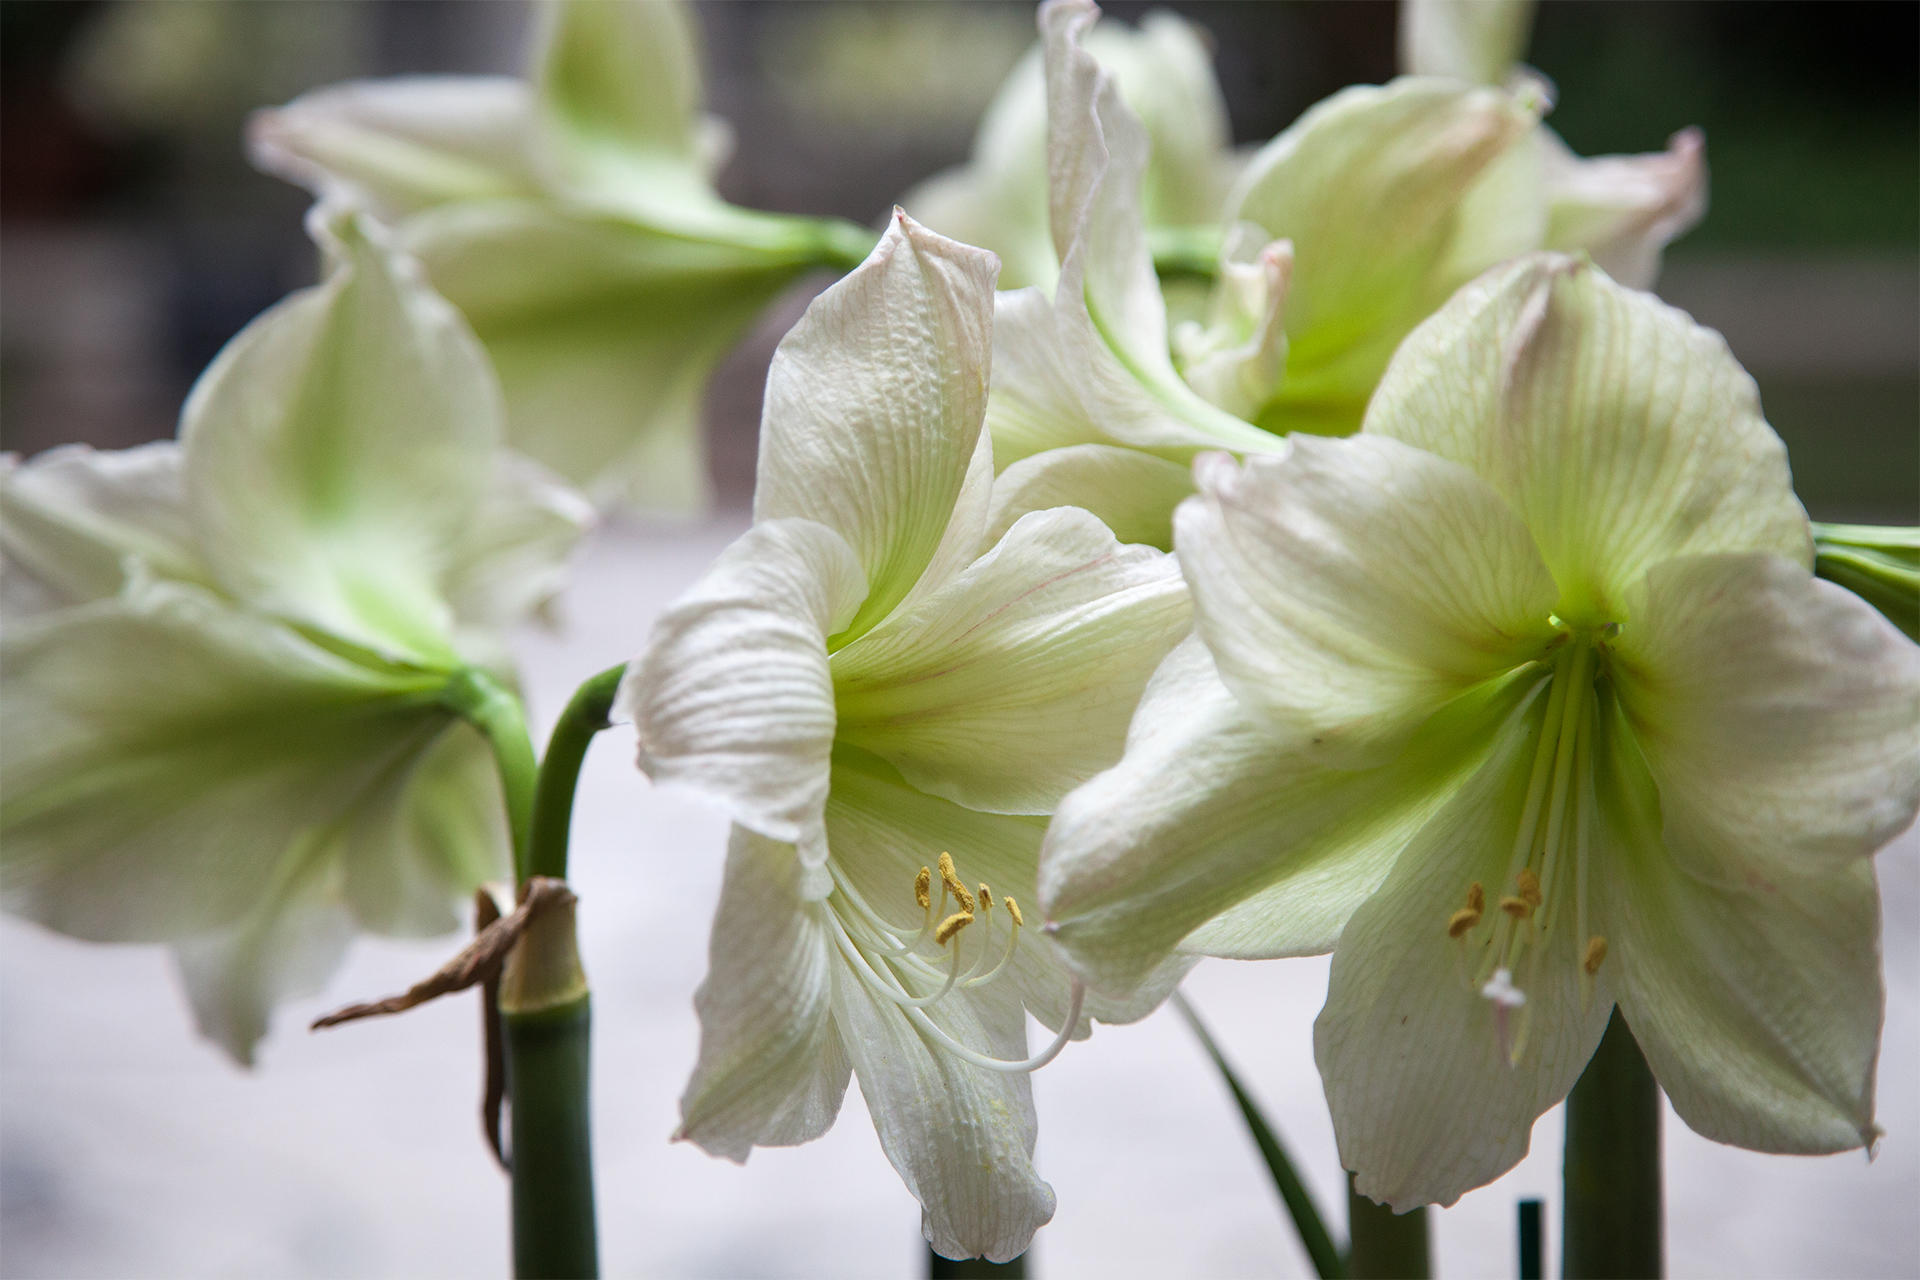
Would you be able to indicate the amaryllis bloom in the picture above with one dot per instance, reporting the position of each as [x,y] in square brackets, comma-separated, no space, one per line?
[234,667]
[1525,703]
[1337,238]
[887,702]
[571,217]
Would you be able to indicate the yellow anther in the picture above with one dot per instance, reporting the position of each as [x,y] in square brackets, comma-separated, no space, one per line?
[951,878]
[1013,909]
[1518,908]
[1596,955]
[1529,886]
[923,888]
[1461,921]
[986,899]
[952,925]
[1476,898]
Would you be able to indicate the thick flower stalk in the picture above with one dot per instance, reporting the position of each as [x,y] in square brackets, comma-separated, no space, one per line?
[887,701]
[242,671]
[1525,703]
[571,217]
[1337,238]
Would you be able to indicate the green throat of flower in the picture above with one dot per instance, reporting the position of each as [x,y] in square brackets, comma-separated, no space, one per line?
[938,959]
[1501,949]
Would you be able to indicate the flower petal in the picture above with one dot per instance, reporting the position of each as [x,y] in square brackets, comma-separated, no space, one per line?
[960,1137]
[732,696]
[1132,493]
[513,561]
[166,755]
[1218,829]
[874,404]
[1428,1100]
[1351,587]
[73,520]
[771,1071]
[1477,41]
[398,146]
[1014,683]
[1623,210]
[1779,715]
[619,81]
[336,450]
[1369,187]
[1619,430]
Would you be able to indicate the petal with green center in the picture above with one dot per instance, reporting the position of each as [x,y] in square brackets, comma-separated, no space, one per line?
[1369,187]
[620,82]
[1434,1087]
[1477,41]
[166,755]
[73,522]
[960,1137]
[771,1071]
[732,696]
[1215,818]
[1623,210]
[874,404]
[1350,588]
[1619,430]
[1014,683]
[1132,493]
[336,450]
[1758,1006]
[1779,715]
[399,146]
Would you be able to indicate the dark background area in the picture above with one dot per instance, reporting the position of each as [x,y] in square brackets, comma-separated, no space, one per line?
[134,239]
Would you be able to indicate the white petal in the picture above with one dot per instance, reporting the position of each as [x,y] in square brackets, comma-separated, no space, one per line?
[1623,210]
[1244,841]
[405,144]
[513,561]
[166,755]
[732,695]
[1351,587]
[1619,430]
[1478,41]
[1779,715]
[1132,493]
[72,519]
[874,403]
[771,1071]
[336,450]
[961,1137]
[1428,1100]
[1014,683]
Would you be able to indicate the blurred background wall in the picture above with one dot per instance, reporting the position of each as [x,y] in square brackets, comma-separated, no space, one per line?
[134,239]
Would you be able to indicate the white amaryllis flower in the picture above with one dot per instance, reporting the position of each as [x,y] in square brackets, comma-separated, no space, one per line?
[874,692]
[1339,236]
[1523,702]
[999,199]
[571,217]
[226,662]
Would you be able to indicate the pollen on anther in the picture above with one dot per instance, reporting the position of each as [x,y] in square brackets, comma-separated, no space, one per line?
[1596,955]
[952,925]
[951,878]
[986,899]
[923,888]
[1476,898]
[1013,910]
[1518,908]
[1529,886]
[1461,921]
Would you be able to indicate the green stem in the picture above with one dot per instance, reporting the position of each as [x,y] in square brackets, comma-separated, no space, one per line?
[553,1218]
[939,1268]
[1319,1245]
[1185,251]
[552,818]
[493,709]
[843,245]
[1386,1245]
[1613,1224]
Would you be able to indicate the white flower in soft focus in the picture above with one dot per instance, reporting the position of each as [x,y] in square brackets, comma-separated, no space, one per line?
[571,217]
[1523,702]
[223,659]
[874,689]
[1338,237]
